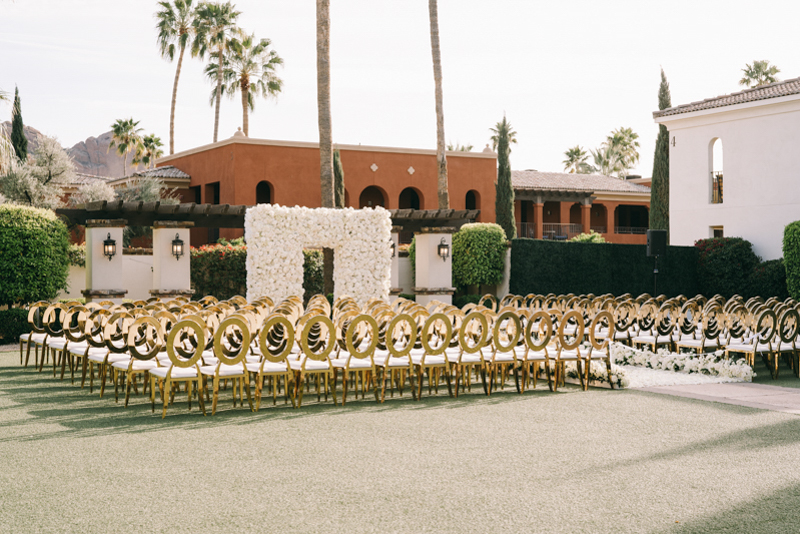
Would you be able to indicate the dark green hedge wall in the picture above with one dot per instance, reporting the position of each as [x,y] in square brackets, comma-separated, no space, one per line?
[557,267]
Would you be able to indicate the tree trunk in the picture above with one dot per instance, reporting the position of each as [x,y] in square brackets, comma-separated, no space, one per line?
[441,160]
[124,163]
[218,96]
[174,99]
[324,103]
[245,114]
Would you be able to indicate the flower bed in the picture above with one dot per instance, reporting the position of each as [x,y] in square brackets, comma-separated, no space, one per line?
[713,363]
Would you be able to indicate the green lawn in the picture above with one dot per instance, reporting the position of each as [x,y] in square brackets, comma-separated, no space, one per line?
[596,461]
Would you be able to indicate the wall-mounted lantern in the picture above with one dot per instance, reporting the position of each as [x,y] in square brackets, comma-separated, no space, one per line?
[177,247]
[109,247]
[443,249]
[394,249]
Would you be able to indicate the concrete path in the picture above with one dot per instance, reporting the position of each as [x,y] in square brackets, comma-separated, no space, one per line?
[761,396]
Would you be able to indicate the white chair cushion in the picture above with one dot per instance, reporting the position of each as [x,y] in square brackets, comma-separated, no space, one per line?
[393,362]
[311,365]
[269,367]
[56,343]
[177,372]
[224,370]
[355,363]
[138,365]
[429,360]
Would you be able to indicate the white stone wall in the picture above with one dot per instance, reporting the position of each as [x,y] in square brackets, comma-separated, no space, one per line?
[136,277]
[761,173]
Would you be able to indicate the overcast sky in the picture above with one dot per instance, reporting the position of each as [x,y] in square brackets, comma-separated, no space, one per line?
[565,72]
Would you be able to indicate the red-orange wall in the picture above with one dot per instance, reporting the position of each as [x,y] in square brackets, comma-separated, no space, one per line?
[293,173]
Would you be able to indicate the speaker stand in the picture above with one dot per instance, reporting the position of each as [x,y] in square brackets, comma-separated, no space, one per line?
[655,278]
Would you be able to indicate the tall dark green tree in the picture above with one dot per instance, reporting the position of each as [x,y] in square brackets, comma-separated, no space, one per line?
[338,179]
[659,188]
[503,136]
[18,139]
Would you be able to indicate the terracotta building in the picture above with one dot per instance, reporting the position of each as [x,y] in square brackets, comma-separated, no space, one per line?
[554,205]
[241,170]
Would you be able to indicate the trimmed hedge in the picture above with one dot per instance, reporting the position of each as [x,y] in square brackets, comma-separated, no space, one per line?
[221,270]
[768,279]
[479,254]
[540,266]
[791,258]
[33,254]
[13,323]
[725,265]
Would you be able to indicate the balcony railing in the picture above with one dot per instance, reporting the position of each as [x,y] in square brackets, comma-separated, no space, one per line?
[716,187]
[637,230]
[525,230]
[599,229]
[560,231]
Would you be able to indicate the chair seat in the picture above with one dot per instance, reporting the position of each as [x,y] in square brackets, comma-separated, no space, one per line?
[311,365]
[392,362]
[504,357]
[269,367]
[224,370]
[538,355]
[177,372]
[568,355]
[429,359]
[36,338]
[785,347]
[355,363]
[749,347]
[695,343]
[597,354]
[79,349]
[57,343]
[649,340]
[453,357]
[137,365]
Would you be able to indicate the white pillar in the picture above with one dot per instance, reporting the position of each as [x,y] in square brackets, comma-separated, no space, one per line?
[396,287]
[171,274]
[103,280]
[434,275]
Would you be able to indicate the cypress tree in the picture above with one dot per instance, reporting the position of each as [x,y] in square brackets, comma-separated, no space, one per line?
[659,189]
[504,192]
[18,139]
[338,180]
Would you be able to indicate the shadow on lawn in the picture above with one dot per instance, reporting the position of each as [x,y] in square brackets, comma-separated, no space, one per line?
[54,408]
[772,513]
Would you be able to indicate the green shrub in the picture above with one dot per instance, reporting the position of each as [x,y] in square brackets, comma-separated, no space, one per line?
[13,323]
[479,254]
[591,237]
[725,265]
[791,258]
[412,257]
[221,271]
[463,300]
[77,255]
[33,254]
[543,266]
[768,279]
[408,296]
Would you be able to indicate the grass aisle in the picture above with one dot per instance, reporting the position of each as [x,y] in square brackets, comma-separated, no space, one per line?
[596,461]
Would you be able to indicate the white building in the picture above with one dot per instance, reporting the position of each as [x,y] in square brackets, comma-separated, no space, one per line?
[758,131]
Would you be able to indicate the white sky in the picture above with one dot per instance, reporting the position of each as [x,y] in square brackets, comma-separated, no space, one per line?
[565,72]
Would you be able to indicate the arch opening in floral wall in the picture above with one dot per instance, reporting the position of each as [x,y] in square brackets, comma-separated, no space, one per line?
[276,236]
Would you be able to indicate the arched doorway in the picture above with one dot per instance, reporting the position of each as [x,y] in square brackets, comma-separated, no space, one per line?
[370,197]
[473,202]
[410,198]
[264,192]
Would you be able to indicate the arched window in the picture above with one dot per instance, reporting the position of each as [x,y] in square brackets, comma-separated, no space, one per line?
[370,197]
[264,193]
[409,199]
[473,200]
[715,168]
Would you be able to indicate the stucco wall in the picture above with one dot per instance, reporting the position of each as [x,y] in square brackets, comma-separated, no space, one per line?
[136,277]
[760,174]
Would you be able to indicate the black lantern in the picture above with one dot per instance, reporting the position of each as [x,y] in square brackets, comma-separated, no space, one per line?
[443,249]
[109,247]
[177,247]
[394,248]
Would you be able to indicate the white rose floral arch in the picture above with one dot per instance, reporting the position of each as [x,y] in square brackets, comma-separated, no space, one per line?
[276,236]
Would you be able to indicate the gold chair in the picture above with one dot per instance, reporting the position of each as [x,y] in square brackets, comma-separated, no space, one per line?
[275,341]
[538,334]
[394,359]
[317,338]
[231,345]
[598,348]
[570,336]
[361,338]
[435,336]
[472,334]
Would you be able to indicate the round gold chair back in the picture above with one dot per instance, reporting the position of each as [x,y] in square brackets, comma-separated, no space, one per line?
[603,319]
[183,342]
[473,333]
[53,319]
[145,338]
[567,340]
[362,327]
[789,326]
[436,328]
[538,331]
[507,331]
[765,325]
[314,336]
[232,340]
[276,338]
[115,332]
[401,328]
[75,323]
[36,316]
[94,328]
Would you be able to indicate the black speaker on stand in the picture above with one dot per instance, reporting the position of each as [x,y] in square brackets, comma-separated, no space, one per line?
[656,246]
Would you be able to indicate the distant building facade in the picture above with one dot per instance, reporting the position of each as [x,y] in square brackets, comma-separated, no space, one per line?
[734,166]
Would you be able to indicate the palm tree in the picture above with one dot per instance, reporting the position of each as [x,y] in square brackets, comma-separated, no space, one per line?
[324,103]
[441,160]
[759,73]
[576,161]
[249,67]
[126,137]
[215,26]
[148,151]
[607,160]
[174,28]
[458,147]
[503,130]
[625,141]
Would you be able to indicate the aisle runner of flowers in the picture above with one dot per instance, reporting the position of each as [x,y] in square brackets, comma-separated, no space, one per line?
[635,368]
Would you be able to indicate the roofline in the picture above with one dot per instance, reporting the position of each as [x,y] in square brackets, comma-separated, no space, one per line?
[675,110]
[303,144]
